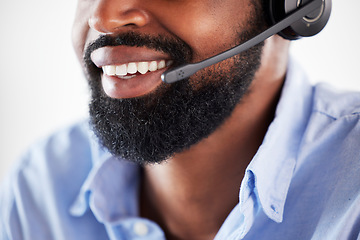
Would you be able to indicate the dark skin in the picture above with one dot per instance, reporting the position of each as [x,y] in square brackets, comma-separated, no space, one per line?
[191,194]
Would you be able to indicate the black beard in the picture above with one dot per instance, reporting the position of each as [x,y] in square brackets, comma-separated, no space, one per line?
[152,128]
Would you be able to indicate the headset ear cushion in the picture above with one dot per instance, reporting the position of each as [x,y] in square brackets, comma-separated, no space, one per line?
[308,26]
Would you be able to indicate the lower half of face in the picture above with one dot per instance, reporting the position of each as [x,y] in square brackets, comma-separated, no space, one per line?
[172,118]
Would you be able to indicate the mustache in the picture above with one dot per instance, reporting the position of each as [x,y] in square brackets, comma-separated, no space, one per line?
[179,51]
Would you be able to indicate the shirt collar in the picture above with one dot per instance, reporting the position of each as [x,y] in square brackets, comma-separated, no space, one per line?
[272,167]
[111,188]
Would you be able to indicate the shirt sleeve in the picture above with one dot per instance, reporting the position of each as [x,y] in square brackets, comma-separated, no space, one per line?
[9,219]
[3,232]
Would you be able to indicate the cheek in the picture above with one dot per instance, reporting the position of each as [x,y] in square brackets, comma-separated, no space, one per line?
[221,72]
[209,28]
[80,28]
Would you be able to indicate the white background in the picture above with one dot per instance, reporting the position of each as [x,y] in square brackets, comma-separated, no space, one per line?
[42,88]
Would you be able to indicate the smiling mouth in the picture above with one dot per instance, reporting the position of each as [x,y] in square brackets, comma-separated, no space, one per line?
[133,69]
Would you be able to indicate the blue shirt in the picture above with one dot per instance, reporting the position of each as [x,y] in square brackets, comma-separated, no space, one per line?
[303,183]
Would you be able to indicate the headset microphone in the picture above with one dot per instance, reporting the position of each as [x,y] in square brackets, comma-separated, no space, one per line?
[305,20]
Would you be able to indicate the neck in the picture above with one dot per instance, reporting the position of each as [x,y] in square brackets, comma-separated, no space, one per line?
[191,194]
[190,200]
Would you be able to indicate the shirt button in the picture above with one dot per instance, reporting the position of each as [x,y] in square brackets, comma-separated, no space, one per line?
[140,229]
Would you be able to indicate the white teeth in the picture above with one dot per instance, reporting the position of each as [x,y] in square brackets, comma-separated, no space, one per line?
[127,77]
[143,67]
[153,66]
[170,62]
[131,68]
[161,64]
[121,70]
[110,70]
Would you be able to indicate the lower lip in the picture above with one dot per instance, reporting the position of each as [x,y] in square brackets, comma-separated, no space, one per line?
[137,86]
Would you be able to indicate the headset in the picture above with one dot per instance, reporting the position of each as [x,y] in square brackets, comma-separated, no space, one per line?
[291,19]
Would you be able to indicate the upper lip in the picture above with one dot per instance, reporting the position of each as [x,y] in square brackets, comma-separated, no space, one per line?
[124,54]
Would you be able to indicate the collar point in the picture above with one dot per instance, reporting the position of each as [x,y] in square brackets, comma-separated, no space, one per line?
[77,210]
[275,213]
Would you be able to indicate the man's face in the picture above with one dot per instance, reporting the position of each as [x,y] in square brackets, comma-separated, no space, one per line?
[135,115]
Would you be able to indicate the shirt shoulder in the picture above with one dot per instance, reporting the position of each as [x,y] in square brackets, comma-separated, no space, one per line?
[335,116]
[327,172]
[58,152]
[45,181]
[334,102]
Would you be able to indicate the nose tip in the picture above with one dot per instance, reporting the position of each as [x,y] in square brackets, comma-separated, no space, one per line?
[108,19]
